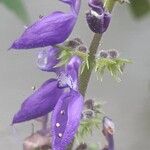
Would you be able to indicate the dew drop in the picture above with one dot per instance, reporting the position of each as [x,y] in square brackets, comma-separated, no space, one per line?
[57,125]
[62,112]
[26,27]
[60,135]
[33,88]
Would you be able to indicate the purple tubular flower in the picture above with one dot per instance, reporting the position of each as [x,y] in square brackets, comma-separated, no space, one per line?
[45,98]
[98,18]
[65,119]
[47,59]
[50,30]
[108,131]
[67,106]
[39,103]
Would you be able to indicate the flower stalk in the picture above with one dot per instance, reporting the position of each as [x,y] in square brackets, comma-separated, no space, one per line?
[85,76]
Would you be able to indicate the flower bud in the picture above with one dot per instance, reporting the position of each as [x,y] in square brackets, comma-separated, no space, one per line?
[103,54]
[89,104]
[88,114]
[108,126]
[82,48]
[113,54]
[74,43]
[98,18]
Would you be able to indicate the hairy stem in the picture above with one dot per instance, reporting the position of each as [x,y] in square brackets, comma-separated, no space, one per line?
[85,76]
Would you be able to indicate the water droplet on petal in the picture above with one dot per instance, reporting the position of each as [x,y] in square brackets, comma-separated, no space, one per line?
[60,135]
[57,125]
[25,27]
[62,112]
[33,88]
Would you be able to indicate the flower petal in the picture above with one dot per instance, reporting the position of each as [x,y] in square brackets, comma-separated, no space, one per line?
[65,119]
[75,5]
[96,5]
[39,103]
[69,77]
[47,59]
[73,70]
[49,30]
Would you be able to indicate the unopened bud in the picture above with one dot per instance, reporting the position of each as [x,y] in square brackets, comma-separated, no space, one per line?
[97,18]
[82,48]
[88,114]
[113,54]
[89,104]
[103,54]
[74,43]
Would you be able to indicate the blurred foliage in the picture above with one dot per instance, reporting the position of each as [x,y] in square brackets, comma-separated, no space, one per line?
[140,8]
[17,6]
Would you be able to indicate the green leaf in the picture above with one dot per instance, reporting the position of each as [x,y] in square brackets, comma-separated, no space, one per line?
[17,7]
[140,8]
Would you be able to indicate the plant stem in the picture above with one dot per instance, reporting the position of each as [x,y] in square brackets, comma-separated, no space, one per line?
[85,76]
[109,4]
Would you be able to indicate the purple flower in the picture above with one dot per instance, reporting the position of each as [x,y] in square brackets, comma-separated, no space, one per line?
[63,97]
[40,102]
[50,30]
[98,18]
[108,131]
[48,59]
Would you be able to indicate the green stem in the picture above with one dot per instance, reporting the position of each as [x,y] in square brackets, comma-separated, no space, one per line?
[109,4]
[85,76]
